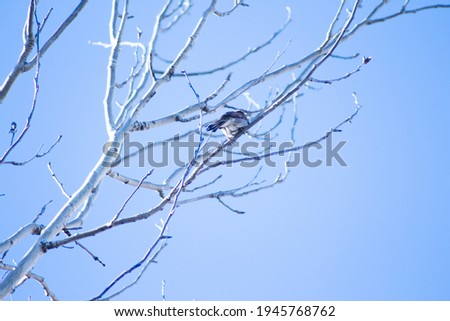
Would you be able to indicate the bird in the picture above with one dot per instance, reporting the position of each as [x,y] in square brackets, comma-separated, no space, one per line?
[231,123]
[13,128]
[12,131]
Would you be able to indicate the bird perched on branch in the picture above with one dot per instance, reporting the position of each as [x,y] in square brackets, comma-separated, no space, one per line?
[231,123]
[13,128]
[13,131]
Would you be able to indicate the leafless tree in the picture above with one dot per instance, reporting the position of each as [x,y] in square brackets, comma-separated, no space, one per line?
[124,100]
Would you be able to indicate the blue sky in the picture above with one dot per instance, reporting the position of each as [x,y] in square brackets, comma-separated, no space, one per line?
[376,229]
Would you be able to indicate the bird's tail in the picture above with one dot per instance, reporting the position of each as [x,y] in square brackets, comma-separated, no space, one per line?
[213,126]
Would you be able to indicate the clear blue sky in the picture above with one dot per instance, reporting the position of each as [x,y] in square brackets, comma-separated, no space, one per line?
[374,230]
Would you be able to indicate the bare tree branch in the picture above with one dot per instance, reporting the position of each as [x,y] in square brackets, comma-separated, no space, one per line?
[280,100]
[162,237]
[143,81]
[332,25]
[250,52]
[29,229]
[179,12]
[22,65]
[57,33]
[179,116]
[234,192]
[49,293]
[135,182]
[31,39]
[77,222]
[115,39]
[152,44]
[28,45]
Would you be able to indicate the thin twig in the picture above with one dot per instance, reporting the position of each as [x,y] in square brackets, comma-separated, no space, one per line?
[60,185]
[36,155]
[154,38]
[74,14]
[84,248]
[237,3]
[365,61]
[163,290]
[42,211]
[356,55]
[204,185]
[116,217]
[144,268]
[228,207]
[249,52]
[162,236]
[95,257]
[332,25]
[403,11]
[45,19]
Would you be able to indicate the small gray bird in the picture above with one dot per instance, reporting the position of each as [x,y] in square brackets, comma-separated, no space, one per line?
[230,123]
[13,128]
[13,131]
